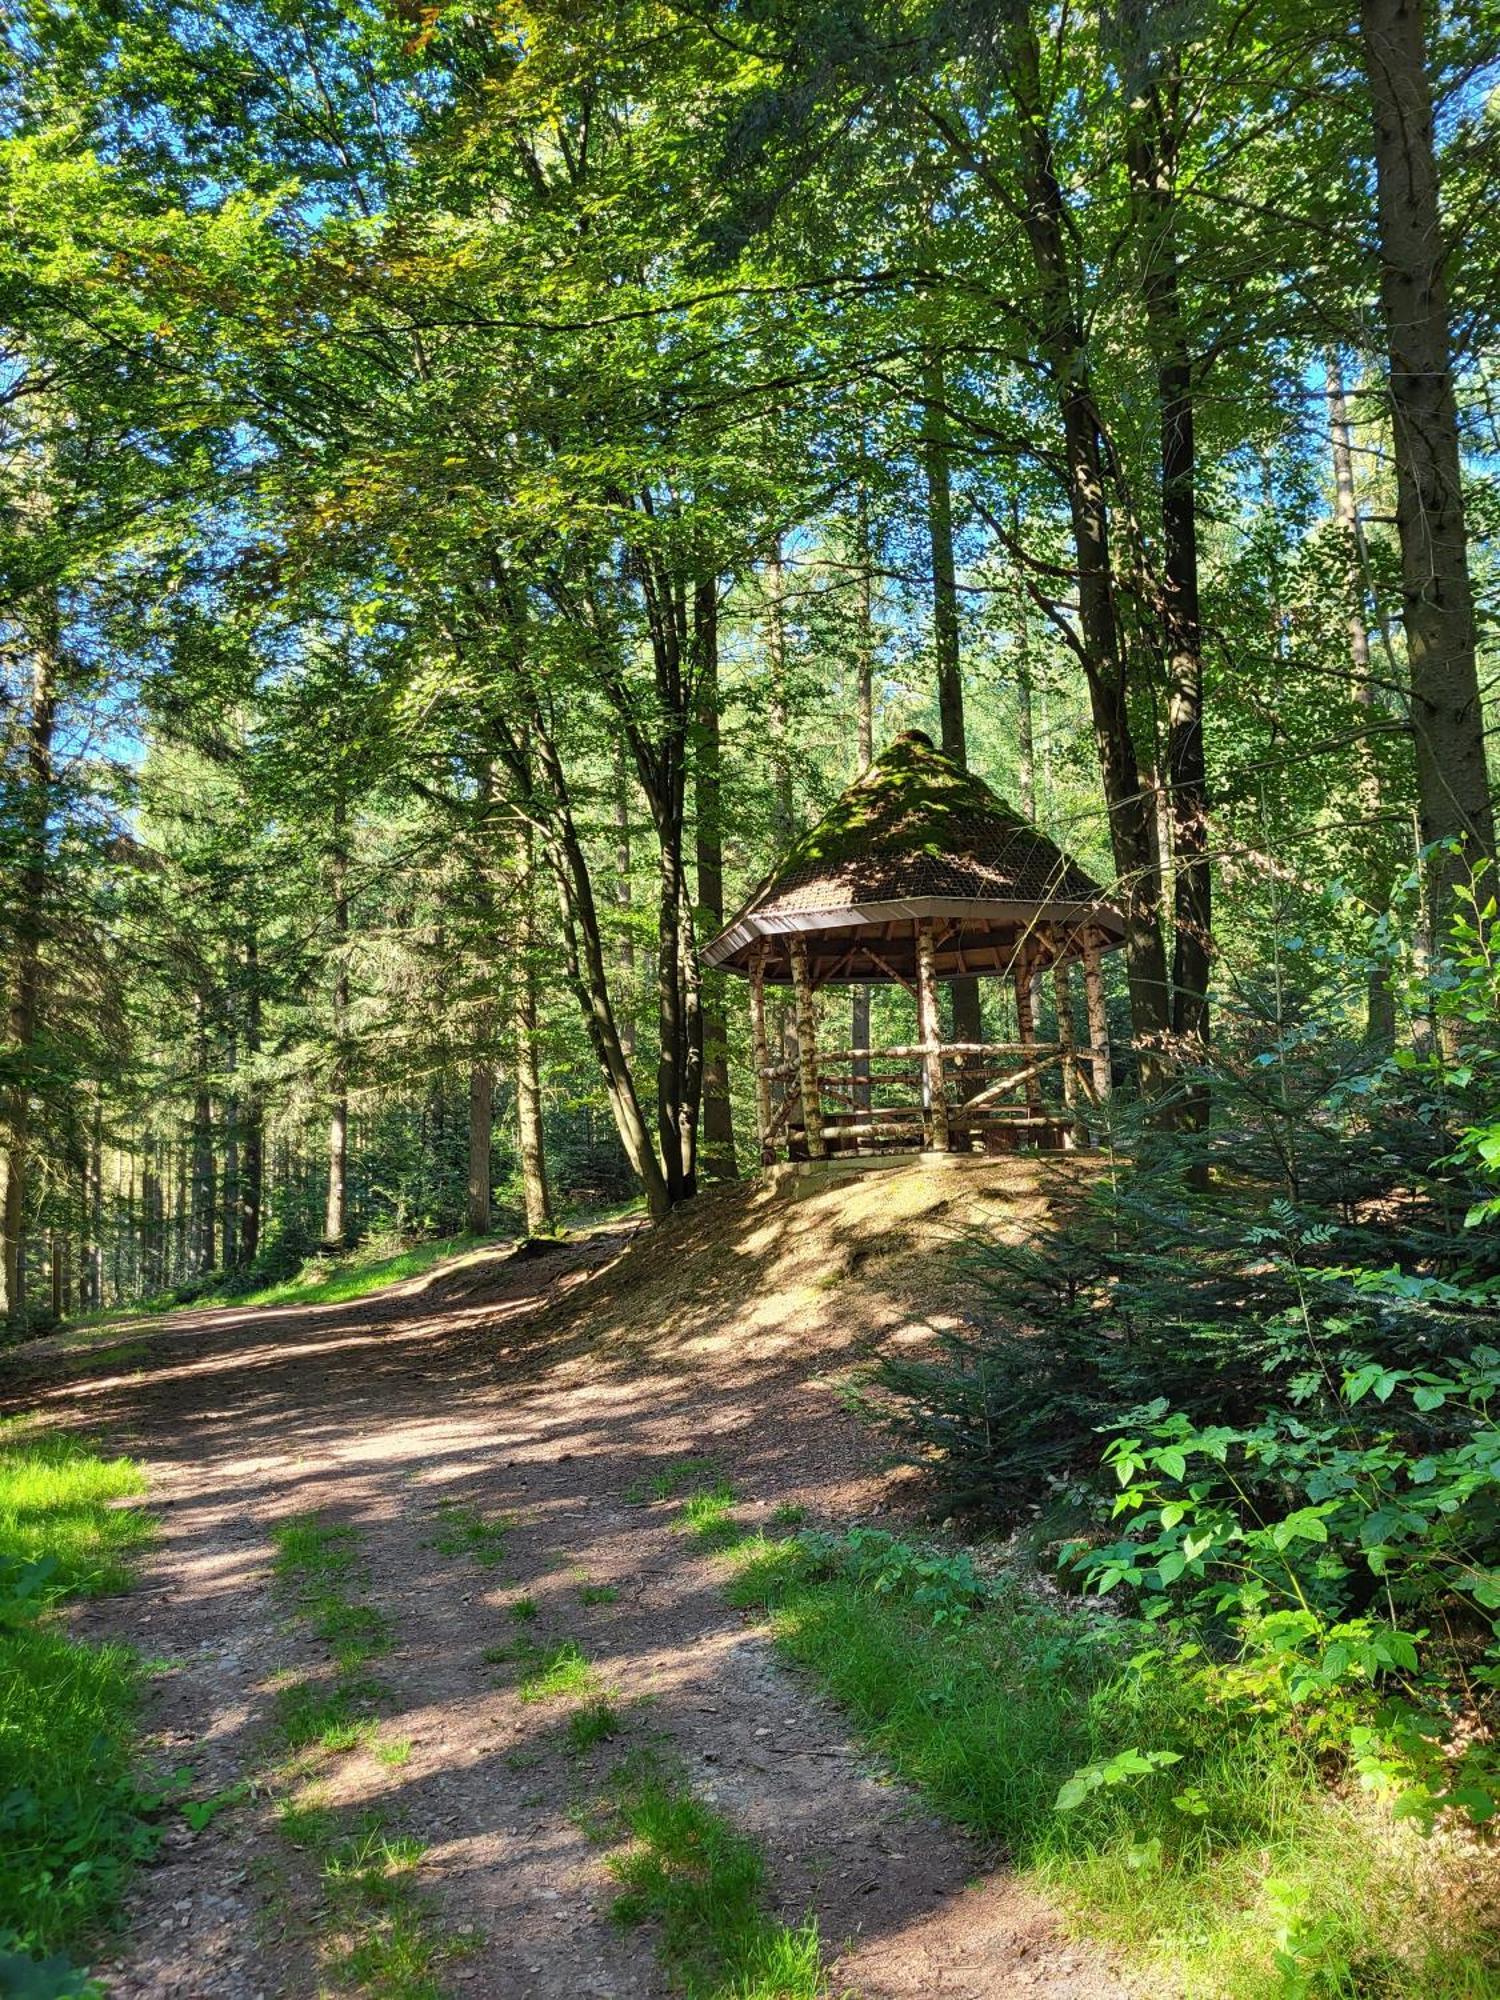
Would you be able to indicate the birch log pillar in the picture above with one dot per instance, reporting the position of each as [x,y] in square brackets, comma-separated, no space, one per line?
[1093,987]
[930,1034]
[807,1051]
[1026,1030]
[759,1056]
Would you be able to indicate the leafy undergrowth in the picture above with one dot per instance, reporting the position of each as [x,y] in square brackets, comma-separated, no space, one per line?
[377,1931]
[73,1818]
[1215,1855]
[686,1869]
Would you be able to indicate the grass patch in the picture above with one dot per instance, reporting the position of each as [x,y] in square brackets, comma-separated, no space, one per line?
[1232,1872]
[523,1611]
[73,1818]
[394,1751]
[370,1268]
[689,1870]
[335,1716]
[710,1519]
[558,1673]
[682,1476]
[593,1724]
[463,1531]
[57,1506]
[597,1593]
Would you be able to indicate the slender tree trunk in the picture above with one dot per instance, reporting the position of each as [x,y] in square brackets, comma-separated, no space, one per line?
[718,1114]
[336,1209]
[1438,606]
[203,1197]
[1152,146]
[29,928]
[1138,879]
[252,1162]
[622,893]
[95,1211]
[530,1136]
[481,1125]
[1380,1009]
[783,819]
[945,624]
[1025,680]
[864,739]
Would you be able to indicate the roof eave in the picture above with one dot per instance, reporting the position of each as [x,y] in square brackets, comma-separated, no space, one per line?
[753,924]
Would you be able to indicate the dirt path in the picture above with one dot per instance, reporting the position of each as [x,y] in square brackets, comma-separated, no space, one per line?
[374,1413]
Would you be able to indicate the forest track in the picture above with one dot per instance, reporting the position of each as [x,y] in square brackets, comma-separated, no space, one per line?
[497,1399]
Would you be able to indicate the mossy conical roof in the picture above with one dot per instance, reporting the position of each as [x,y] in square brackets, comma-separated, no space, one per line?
[919,836]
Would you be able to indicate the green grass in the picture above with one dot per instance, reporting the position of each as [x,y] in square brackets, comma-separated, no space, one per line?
[523,1611]
[682,1476]
[709,1518]
[73,1818]
[557,1673]
[1203,1871]
[597,1593]
[595,1723]
[325,1281]
[464,1531]
[688,1870]
[57,1502]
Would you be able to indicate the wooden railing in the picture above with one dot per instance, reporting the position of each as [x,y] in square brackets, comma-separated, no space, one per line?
[995,1093]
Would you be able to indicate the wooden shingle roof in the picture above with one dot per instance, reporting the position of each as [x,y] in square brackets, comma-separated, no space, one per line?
[918,836]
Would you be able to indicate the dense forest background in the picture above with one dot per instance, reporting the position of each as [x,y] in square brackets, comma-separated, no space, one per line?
[474,484]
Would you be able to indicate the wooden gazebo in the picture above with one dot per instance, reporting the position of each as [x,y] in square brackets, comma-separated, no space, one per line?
[921,875]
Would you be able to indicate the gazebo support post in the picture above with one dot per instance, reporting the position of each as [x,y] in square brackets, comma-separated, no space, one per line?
[760,1056]
[1067,1041]
[1093,987]
[807,1051]
[930,1033]
[1026,1028]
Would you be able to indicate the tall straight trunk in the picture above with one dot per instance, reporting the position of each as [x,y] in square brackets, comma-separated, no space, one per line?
[864,744]
[336,1208]
[1025,680]
[95,1209]
[1066,346]
[531,1142]
[1153,148]
[622,895]
[1453,788]
[29,927]
[203,1234]
[782,808]
[252,1158]
[481,1129]
[230,1183]
[708,802]
[945,629]
[1380,1005]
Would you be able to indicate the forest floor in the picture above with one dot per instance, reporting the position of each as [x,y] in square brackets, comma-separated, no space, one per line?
[491,1436]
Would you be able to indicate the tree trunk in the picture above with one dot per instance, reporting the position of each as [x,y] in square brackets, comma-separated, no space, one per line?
[252,1161]
[531,1141]
[481,1123]
[1138,880]
[29,927]
[864,736]
[203,1234]
[622,894]
[1380,1005]
[1152,147]
[718,1114]
[782,810]
[336,1209]
[945,626]
[1025,683]
[1438,606]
